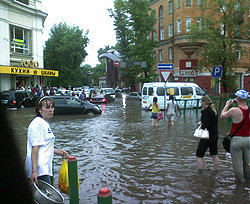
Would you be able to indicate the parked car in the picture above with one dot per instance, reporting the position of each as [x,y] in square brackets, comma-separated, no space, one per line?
[133,96]
[69,105]
[18,99]
[102,98]
[108,91]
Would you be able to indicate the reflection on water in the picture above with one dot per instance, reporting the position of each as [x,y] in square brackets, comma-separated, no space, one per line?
[139,163]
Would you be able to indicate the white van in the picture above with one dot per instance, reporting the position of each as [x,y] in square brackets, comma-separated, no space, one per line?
[181,90]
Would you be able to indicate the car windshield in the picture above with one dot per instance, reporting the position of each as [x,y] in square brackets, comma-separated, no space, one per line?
[10,95]
[108,91]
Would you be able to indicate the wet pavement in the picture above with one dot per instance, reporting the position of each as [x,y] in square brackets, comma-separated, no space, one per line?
[137,162]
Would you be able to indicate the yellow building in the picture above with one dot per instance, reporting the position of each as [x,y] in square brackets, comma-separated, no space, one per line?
[21,42]
[173,20]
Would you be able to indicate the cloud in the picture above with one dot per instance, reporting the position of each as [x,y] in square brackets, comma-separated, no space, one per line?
[88,15]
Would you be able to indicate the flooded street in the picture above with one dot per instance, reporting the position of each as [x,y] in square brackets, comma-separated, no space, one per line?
[137,162]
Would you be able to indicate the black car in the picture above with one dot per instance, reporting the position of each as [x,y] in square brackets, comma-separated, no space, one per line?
[102,98]
[69,105]
[18,99]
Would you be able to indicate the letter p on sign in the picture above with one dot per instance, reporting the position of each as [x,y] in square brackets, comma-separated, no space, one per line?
[217,71]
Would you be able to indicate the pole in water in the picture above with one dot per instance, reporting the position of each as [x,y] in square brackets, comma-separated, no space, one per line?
[104,196]
[73,180]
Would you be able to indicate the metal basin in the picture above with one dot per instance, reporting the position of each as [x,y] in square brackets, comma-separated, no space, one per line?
[45,193]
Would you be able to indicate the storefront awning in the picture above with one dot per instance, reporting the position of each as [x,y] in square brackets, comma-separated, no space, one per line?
[28,71]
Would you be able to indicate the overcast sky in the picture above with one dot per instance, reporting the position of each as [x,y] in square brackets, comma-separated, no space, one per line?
[89,15]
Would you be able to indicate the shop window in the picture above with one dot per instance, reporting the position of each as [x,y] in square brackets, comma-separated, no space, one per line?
[19,40]
[23,1]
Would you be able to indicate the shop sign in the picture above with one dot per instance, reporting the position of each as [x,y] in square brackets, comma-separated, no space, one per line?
[28,71]
[187,73]
[26,63]
[19,42]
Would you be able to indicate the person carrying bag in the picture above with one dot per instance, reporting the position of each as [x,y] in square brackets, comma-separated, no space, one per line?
[240,142]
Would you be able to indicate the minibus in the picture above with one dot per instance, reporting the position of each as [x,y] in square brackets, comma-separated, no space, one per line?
[180,90]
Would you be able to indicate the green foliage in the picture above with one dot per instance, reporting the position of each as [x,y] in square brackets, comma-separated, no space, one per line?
[221,32]
[64,51]
[133,26]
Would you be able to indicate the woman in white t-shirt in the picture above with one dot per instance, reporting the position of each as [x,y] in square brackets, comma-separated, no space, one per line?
[171,110]
[40,143]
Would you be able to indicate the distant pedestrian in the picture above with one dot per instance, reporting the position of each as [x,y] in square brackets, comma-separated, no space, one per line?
[171,110]
[209,120]
[155,109]
[240,143]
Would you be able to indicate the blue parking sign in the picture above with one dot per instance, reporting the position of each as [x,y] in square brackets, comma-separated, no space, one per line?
[217,71]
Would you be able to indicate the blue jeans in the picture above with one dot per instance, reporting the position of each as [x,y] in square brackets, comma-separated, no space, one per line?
[240,152]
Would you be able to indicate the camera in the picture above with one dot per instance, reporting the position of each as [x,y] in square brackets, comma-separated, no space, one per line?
[232,100]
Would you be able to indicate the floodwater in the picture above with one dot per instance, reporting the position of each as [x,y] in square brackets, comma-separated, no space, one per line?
[137,162]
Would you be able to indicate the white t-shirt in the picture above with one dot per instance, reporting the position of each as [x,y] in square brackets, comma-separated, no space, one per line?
[40,134]
[171,109]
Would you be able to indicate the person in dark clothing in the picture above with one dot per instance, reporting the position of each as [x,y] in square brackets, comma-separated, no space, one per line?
[209,120]
[14,187]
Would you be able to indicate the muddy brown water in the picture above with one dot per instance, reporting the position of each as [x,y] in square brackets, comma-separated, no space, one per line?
[137,162]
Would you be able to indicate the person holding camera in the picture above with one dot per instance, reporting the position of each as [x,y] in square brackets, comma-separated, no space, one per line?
[240,143]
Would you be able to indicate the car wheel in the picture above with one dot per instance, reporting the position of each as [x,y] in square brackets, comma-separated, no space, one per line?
[91,113]
[22,106]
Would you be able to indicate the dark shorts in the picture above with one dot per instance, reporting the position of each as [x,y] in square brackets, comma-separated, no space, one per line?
[154,115]
[45,178]
[204,145]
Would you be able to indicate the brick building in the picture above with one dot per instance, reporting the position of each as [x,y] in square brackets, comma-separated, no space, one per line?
[173,19]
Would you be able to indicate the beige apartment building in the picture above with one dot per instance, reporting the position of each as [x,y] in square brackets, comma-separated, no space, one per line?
[173,19]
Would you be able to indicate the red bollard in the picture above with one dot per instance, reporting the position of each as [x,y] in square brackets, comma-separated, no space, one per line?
[104,196]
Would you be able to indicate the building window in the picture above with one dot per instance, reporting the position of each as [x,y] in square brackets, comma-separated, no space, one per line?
[170,53]
[162,33]
[188,64]
[222,31]
[178,25]
[238,53]
[188,24]
[178,3]
[20,40]
[170,5]
[199,23]
[161,12]
[154,35]
[170,30]
[23,1]
[198,2]
[160,55]
[188,2]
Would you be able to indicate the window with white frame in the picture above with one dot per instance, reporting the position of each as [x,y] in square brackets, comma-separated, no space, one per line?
[188,24]
[162,33]
[178,25]
[238,53]
[222,31]
[170,6]
[178,3]
[160,55]
[199,23]
[170,53]
[170,30]
[19,40]
[23,1]
[188,2]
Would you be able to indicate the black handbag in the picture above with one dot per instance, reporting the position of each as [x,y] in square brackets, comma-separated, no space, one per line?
[227,140]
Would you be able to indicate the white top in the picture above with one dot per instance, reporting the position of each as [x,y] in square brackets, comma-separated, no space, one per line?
[171,109]
[40,134]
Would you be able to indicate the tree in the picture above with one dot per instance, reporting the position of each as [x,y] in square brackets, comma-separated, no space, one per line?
[222,29]
[64,51]
[134,23]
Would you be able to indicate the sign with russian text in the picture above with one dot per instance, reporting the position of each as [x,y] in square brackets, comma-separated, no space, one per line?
[28,71]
